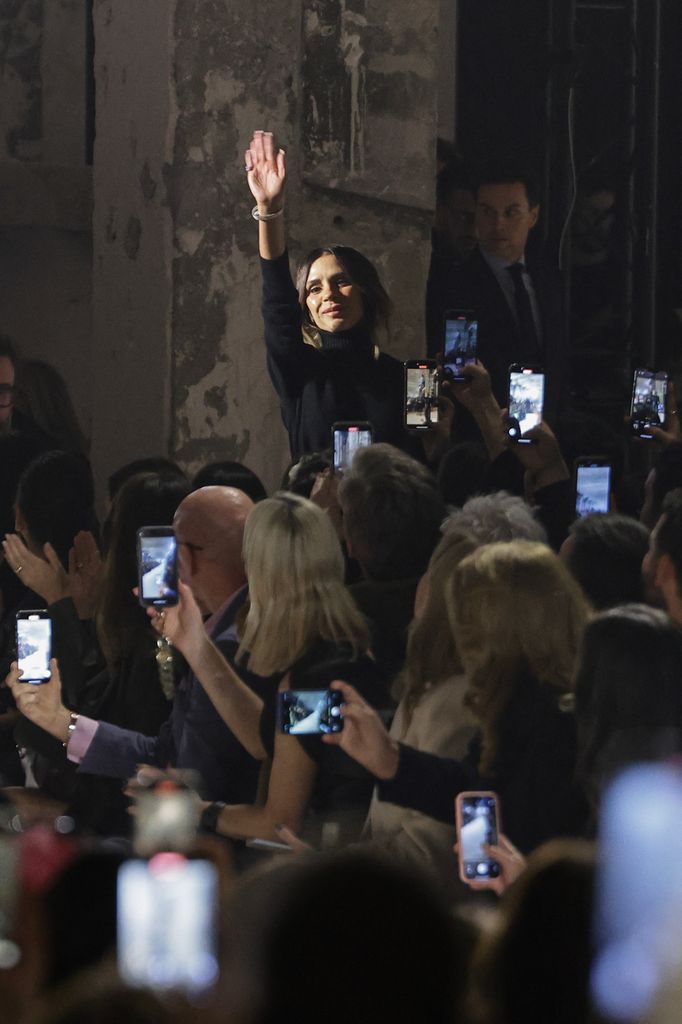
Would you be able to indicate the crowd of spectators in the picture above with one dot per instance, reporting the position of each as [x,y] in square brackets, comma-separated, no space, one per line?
[172,847]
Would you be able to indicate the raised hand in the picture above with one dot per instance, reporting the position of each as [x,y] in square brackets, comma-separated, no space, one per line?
[85,572]
[41,703]
[364,736]
[182,624]
[45,576]
[266,171]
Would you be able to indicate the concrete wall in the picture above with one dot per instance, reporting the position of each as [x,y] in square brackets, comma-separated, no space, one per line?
[350,90]
[45,189]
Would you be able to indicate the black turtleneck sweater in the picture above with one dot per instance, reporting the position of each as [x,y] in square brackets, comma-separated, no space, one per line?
[318,386]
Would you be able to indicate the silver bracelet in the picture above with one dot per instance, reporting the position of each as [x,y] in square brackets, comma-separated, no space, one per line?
[72,725]
[266,216]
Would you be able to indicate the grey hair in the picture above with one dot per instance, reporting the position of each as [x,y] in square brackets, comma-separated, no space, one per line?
[495,517]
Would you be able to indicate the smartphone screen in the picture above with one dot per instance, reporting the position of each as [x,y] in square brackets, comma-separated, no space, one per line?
[158,569]
[592,488]
[526,400]
[477,824]
[459,343]
[166,915]
[638,916]
[421,394]
[347,438]
[34,646]
[648,401]
[310,712]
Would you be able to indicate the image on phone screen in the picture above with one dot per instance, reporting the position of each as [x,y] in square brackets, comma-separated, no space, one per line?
[648,400]
[421,396]
[166,914]
[459,345]
[478,826]
[310,712]
[34,646]
[158,569]
[526,399]
[347,440]
[592,489]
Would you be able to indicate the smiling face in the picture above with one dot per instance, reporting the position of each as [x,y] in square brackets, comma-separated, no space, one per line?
[504,219]
[334,302]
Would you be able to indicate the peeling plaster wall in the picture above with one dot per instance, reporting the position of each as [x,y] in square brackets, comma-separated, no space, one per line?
[132,232]
[237,68]
[45,191]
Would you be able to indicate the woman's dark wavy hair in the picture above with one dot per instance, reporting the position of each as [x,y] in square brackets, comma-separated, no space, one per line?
[628,698]
[148,499]
[361,272]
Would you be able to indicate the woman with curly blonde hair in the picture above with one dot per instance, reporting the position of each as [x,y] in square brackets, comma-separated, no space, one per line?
[518,617]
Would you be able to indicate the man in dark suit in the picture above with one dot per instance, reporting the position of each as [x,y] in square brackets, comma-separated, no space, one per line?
[513,292]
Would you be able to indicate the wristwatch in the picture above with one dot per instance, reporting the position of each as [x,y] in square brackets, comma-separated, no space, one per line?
[208,822]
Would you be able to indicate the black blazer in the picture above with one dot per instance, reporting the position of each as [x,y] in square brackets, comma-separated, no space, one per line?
[473,285]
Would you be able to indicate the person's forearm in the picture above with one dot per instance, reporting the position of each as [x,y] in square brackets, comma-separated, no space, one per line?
[487,418]
[271,234]
[236,703]
[243,821]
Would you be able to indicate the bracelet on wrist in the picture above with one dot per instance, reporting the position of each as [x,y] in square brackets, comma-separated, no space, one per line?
[73,719]
[266,216]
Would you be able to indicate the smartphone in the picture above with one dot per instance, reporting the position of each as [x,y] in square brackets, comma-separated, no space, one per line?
[647,409]
[420,403]
[34,646]
[593,484]
[638,897]
[347,438]
[478,822]
[310,712]
[157,561]
[460,342]
[526,400]
[167,923]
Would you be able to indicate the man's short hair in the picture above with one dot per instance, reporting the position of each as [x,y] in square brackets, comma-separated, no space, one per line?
[669,533]
[606,558]
[8,349]
[503,172]
[392,513]
[495,517]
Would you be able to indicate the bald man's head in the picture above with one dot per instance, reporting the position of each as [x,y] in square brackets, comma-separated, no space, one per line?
[209,526]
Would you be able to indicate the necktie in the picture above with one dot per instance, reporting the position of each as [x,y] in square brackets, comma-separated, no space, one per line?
[524,312]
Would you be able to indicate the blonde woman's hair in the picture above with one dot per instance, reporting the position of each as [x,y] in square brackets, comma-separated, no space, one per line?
[515,609]
[295,569]
[432,654]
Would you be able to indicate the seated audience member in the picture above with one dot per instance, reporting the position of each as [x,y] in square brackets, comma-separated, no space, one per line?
[299,617]
[209,526]
[518,617]
[230,474]
[392,514]
[160,465]
[628,699]
[662,564]
[43,396]
[534,965]
[362,937]
[133,690]
[55,501]
[301,477]
[495,517]
[432,714]
[604,552]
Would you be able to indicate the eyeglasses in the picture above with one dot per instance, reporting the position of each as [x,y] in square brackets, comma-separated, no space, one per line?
[6,394]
